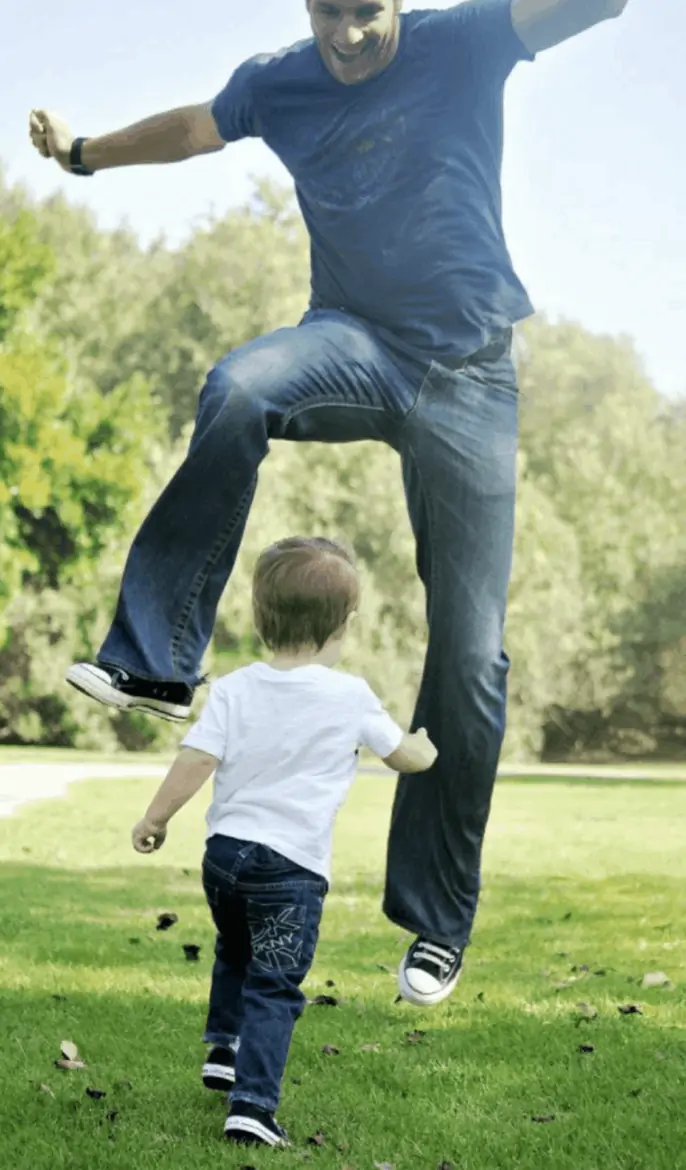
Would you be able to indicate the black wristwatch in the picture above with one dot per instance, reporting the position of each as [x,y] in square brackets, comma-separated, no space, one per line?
[75,164]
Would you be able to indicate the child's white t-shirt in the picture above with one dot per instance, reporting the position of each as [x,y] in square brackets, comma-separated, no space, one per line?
[286,741]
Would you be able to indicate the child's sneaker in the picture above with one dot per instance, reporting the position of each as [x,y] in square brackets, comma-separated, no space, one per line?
[219,1070]
[247,1125]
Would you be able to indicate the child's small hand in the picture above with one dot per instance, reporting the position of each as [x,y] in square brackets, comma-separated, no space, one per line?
[427,749]
[147,836]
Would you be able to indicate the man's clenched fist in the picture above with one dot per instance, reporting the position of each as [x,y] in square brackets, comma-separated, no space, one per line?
[51,136]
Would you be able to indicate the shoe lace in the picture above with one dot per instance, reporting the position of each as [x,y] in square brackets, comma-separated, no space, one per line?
[439,956]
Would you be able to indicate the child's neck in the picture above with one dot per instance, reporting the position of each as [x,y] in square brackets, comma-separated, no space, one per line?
[307,656]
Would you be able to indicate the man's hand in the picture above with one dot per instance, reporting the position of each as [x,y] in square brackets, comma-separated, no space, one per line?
[148,836]
[51,136]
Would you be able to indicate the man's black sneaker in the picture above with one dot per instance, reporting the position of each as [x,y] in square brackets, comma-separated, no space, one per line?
[429,972]
[219,1070]
[117,688]
[247,1125]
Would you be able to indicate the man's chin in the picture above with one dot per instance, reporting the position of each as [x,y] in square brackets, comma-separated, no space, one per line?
[352,72]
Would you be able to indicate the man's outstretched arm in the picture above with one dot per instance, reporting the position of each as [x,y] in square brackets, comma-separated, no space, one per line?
[170,137]
[540,24]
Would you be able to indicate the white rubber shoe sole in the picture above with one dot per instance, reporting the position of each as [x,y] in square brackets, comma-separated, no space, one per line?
[93,681]
[220,1077]
[424,998]
[249,1127]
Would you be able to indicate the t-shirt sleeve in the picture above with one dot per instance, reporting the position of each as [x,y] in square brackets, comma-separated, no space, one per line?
[378,731]
[484,28]
[209,733]
[234,108]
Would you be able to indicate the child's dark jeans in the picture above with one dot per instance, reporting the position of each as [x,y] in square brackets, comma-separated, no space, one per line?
[267,912]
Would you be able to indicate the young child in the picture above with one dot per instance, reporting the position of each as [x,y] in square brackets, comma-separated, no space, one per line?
[282,739]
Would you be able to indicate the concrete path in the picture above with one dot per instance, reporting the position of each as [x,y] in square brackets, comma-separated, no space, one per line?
[26,782]
[23,783]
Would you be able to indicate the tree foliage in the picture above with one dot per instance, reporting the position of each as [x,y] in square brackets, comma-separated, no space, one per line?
[104,346]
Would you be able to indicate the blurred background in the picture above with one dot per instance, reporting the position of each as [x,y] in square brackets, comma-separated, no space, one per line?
[117,294]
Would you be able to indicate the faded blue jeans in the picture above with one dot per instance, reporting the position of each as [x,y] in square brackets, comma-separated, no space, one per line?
[267,912]
[331,379]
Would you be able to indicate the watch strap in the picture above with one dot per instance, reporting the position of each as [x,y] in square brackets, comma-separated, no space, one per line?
[76,164]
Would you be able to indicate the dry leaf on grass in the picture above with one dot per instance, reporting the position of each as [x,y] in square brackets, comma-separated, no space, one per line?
[543,1118]
[329,983]
[587,1011]
[586,1048]
[324,1001]
[46,1089]
[166,921]
[317,1139]
[191,951]
[370,1048]
[415,1037]
[70,1057]
[329,1050]
[383,1166]
[656,979]
[96,1094]
[630,1009]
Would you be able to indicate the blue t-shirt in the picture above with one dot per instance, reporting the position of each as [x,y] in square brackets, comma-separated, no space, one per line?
[398,178]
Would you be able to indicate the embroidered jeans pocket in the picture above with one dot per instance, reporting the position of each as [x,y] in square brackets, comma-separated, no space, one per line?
[277,935]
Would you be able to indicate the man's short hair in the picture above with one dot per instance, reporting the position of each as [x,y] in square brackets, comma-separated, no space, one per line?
[304,590]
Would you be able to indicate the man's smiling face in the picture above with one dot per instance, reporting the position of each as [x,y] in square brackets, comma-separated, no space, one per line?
[356,39]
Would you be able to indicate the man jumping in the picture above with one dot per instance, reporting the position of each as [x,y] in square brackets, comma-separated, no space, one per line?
[391,126]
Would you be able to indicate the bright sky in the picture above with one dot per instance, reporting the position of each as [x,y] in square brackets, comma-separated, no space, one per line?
[595,172]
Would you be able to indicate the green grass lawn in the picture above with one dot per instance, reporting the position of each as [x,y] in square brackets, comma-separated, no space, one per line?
[583,895]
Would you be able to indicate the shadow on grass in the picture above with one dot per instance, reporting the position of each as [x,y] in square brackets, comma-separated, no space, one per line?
[489,1069]
[503,1050]
[106,918]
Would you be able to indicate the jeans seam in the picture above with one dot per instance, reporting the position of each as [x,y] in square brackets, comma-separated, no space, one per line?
[251,1099]
[231,875]
[201,576]
[426,381]
[324,402]
[431,587]
[259,887]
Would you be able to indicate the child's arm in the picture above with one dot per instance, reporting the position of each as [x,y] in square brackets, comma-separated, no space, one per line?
[188,773]
[415,753]
[401,751]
